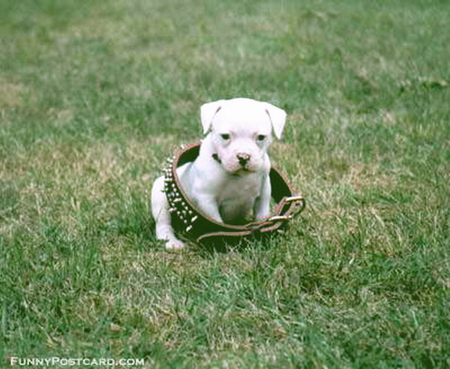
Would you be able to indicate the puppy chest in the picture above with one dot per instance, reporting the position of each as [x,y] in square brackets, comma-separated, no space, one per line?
[236,200]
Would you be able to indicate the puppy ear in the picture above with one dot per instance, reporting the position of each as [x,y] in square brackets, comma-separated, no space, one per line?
[277,117]
[207,112]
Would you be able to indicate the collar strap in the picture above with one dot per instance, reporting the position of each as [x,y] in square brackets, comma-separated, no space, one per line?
[190,221]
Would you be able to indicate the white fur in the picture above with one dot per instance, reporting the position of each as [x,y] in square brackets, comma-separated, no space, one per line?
[229,180]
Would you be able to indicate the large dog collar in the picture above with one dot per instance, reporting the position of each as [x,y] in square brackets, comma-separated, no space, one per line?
[188,220]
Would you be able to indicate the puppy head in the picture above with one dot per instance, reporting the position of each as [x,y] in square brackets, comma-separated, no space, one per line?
[241,132]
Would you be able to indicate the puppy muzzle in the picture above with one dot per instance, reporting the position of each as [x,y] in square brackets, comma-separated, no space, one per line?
[239,164]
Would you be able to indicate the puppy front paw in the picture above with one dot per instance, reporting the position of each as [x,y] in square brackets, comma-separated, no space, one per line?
[174,245]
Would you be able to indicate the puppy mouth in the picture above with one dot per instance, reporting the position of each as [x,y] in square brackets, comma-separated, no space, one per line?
[241,172]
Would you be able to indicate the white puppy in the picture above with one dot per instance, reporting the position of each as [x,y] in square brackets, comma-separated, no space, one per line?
[229,180]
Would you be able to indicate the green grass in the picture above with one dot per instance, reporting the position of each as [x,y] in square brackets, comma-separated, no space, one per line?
[95,95]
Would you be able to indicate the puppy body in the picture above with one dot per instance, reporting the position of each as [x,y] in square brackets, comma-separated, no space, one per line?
[229,180]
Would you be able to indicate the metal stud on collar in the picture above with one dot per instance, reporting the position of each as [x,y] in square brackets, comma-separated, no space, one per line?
[178,205]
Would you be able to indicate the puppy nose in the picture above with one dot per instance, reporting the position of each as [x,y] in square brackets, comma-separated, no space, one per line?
[243,158]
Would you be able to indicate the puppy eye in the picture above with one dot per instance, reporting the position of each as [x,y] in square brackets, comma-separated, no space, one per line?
[261,137]
[225,136]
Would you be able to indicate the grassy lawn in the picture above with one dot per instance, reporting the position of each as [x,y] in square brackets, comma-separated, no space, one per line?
[94,95]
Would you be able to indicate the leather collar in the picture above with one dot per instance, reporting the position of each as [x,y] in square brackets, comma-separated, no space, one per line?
[188,220]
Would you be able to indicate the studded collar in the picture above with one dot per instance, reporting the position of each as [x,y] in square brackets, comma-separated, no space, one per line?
[189,221]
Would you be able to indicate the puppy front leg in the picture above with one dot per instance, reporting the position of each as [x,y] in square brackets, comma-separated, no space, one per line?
[161,214]
[262,203]
[208,205]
